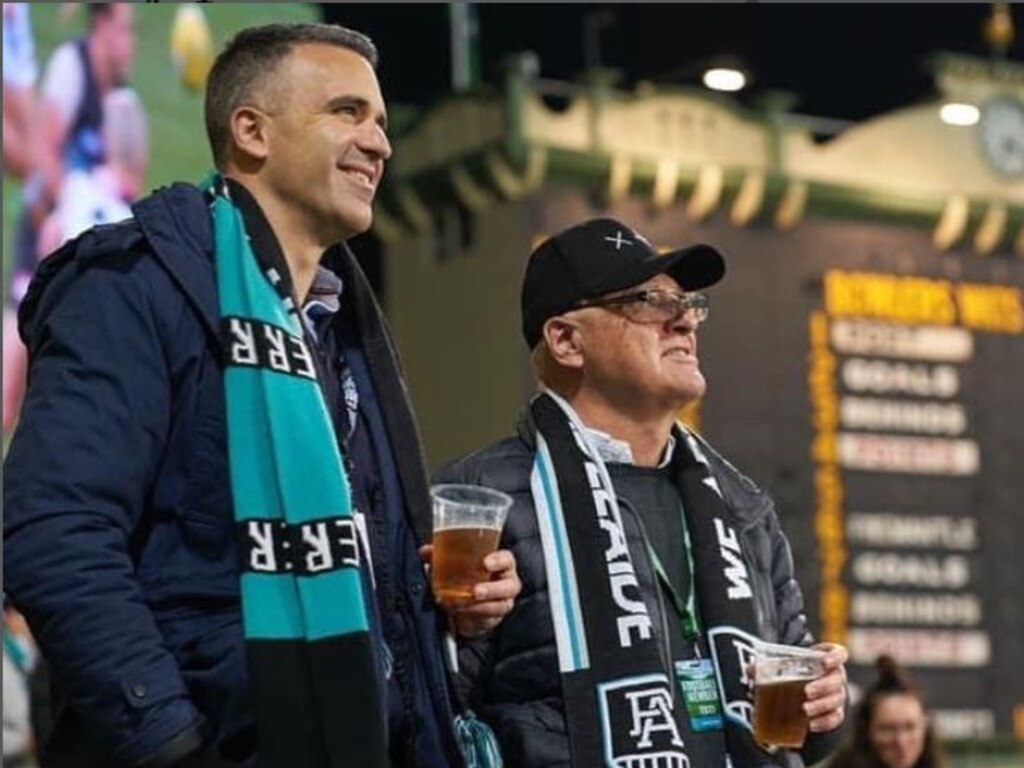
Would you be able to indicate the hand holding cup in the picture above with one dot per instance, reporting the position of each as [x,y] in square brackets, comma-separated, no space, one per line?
[474,584]
[782,674]
[826,697]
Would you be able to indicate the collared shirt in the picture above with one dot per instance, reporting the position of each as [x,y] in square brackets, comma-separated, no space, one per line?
[324,300]
[611,450]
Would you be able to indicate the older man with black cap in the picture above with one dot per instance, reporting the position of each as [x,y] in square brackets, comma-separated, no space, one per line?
[651,567]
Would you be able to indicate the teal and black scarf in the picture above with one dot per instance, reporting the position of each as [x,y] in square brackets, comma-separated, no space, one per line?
[315,694]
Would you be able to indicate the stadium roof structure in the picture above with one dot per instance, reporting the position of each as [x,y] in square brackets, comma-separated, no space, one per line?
[964,184]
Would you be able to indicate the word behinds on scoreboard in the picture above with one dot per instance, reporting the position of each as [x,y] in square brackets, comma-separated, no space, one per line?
[905,343]
[887,386]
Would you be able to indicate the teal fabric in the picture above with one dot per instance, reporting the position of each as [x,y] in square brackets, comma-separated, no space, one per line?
[477,742]
[16,653]
[313,671]
[284,459]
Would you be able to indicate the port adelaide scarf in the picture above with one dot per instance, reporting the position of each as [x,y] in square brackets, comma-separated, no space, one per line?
[622,705]
[314,690]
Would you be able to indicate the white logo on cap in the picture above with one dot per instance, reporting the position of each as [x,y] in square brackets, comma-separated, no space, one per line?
[619,240]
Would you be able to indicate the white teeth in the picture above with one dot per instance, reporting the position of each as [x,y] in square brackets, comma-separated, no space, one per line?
[363,175]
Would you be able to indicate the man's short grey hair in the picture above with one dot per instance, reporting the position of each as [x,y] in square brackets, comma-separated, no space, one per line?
[250,58]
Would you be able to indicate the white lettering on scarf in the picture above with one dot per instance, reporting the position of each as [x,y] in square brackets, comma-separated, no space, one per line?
[735,570]
[319,556]
[302,359]
[262,555]
[243,350]
[634,619]
[277,353]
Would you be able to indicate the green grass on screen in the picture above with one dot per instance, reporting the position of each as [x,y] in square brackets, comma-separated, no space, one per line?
[178,148]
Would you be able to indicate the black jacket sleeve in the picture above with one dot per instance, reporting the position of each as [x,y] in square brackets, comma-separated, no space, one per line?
[793,630]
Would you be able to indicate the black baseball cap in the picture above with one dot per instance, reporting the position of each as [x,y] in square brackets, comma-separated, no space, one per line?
[598,257]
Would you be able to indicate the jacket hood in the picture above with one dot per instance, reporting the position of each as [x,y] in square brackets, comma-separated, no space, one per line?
[176,222]
[176,225]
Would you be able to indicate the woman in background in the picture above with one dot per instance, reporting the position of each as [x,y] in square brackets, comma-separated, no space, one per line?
[891,726]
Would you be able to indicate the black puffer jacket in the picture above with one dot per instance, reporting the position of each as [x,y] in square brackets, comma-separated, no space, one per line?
[513,677]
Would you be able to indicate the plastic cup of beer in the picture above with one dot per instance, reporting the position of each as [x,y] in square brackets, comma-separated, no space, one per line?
[781,672]
[467,525]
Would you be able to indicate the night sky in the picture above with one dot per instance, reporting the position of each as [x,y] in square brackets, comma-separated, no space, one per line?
[846,61]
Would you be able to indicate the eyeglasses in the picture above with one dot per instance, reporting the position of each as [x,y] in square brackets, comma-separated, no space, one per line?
[892,730]
[655,305]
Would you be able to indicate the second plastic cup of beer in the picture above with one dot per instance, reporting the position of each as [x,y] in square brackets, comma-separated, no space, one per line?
[781,672]
[467,525]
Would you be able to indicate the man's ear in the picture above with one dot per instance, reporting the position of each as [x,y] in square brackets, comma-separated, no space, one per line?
[565,341]
[249,133]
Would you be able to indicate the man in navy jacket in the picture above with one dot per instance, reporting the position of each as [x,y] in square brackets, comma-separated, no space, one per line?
[119,538]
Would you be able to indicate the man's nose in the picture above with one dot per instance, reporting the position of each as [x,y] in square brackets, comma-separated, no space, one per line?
[684,321]
[374,141]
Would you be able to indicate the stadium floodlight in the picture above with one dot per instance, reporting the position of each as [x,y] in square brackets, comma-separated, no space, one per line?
[959,113]
[726,79]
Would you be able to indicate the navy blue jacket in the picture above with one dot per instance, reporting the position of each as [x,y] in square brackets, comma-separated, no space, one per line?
[118,530]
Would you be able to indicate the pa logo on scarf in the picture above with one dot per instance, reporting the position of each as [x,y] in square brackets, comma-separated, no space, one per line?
[733,651]
[637,726]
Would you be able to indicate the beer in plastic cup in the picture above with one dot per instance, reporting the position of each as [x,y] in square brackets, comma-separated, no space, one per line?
[781,672]
[467,525]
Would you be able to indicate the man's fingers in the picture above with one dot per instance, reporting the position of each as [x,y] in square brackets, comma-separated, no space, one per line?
[492,600]
[503,589]
[826,697]
[827,722]
[833,682]
[499,561]
[480,617]
[836,655]
[502,564]
[825,705]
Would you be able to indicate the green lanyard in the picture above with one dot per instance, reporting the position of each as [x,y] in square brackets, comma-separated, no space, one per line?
[687,610]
